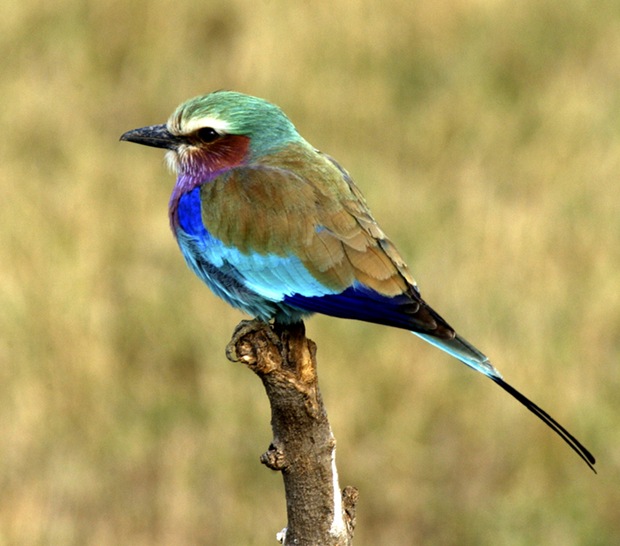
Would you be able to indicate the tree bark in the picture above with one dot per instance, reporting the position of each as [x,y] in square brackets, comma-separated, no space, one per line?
[303,448]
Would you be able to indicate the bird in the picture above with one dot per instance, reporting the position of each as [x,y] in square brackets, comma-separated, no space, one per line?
[278,229]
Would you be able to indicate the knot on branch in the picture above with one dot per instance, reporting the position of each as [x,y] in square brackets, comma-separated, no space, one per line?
[274,458]
[350,496]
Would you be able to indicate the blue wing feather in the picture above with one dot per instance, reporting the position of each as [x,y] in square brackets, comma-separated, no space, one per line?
[361,303]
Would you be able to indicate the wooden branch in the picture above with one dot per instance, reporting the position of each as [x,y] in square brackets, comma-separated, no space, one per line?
[303,446]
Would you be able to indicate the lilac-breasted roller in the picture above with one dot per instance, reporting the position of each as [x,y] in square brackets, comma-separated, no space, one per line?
[279,230]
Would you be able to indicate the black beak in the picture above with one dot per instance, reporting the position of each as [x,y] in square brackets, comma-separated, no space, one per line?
[156,136]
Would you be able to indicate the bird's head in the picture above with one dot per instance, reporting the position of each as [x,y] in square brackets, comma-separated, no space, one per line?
[214,132]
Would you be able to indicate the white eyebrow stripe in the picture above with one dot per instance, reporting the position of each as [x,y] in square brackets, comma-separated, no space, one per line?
[194,124]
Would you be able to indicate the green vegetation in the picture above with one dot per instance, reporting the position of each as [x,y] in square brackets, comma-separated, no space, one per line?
[486,137]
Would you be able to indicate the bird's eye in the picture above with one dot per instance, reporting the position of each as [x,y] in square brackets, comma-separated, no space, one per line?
[207,134]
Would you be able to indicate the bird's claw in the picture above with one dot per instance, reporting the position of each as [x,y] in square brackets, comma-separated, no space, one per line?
[239,349]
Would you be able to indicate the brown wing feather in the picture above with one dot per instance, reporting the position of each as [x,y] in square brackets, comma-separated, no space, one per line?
[300,201]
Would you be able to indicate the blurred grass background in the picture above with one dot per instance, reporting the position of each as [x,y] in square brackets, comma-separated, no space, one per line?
[486,137]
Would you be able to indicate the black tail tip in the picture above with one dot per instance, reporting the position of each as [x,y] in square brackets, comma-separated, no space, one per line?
[572,442]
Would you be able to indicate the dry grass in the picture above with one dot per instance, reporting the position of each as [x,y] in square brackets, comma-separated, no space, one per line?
[486,137]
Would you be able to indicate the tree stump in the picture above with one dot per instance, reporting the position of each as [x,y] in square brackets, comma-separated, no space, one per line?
[303,448]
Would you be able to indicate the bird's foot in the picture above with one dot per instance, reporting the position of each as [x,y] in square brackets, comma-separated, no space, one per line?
[239,349]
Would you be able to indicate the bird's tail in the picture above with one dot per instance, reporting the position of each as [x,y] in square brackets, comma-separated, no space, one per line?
[465,352]
[468,354]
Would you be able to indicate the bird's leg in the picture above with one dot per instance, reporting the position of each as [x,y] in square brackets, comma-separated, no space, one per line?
[298,353]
